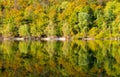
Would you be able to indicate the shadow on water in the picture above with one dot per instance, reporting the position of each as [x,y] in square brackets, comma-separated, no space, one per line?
[59,59]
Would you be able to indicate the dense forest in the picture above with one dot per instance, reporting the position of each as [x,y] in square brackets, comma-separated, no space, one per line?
[68,18]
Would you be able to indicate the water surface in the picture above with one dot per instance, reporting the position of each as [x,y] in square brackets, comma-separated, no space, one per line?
[59,59]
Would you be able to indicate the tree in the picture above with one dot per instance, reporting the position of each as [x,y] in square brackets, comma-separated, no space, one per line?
[84,20]
[50,29]
[109,15]
[9,30]
[24,30]
[66,29]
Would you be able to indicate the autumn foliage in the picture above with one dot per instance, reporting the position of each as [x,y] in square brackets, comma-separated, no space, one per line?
[75,18]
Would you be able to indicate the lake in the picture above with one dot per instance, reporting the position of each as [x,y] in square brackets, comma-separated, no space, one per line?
[60,59]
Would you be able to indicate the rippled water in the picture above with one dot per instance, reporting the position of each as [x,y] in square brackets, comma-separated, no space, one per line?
[59,59]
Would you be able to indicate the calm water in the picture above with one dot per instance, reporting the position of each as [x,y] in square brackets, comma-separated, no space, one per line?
[60,59]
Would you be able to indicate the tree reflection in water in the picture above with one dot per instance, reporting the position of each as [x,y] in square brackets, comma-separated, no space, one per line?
[55,58]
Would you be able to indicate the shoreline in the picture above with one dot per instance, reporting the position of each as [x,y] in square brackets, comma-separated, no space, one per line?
[35,38]
[52,38]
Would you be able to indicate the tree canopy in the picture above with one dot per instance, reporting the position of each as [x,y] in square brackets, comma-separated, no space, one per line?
[77,18]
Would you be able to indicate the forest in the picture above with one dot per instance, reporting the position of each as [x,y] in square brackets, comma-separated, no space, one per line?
[60,18]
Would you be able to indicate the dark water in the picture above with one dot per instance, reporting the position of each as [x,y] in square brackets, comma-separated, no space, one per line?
[60,59]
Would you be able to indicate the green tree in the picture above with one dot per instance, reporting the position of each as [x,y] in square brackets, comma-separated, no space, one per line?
[9,30]
[66,29]
[24,30]
[50,29]
[109,15]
